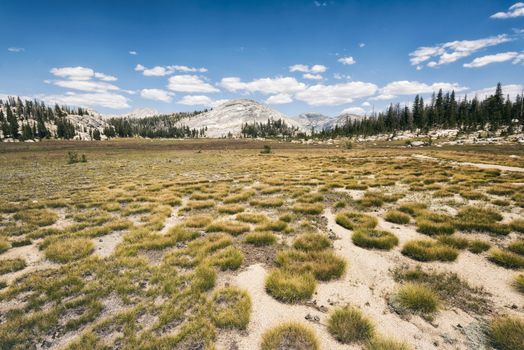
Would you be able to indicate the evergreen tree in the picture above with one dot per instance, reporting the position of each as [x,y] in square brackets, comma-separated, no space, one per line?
[13,123]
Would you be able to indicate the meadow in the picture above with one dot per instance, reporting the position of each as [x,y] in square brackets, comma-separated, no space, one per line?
[211,244]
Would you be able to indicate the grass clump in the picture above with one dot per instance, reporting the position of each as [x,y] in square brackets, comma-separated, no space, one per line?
[417,298]
[506,259]
[204,278]
[517,225]
[377,239]
[429,250]
[11,265]
[381,343]
[352,220]
[308,208]
[289,287]
[231,227]
[348,325]
[480,219]
[4,244]
[434,224]
[412,208]
[200,204]
[230,258]
[324,265]
[477,246]
[473,195]
[198,221]
[231,208]
[260,238]
[38,217]
[519,283]
[69,249]
[397,217]
[271,202]
[309,242]
[289,335]
[453,241]
[507,333]
[231,308]
[252,218]
[273,225]
[517,246]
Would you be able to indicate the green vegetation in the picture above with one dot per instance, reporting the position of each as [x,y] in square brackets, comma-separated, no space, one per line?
[11,265]
[478,246]
[352,220]
[417,298]
[397,217]
[289,286]
[380,343]
[348,325]
[325,265]
[377,239]
[506,259]
[311,242]
[230,308]
[480,219]
[260,238]
[507,332]
[289,336]
[431,224]
[428,250]
[69,249]
[519,283]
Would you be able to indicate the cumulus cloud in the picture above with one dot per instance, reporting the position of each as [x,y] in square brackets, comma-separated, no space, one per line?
[312,76]
[361,45]
[134,53]
[303,68]
[354,110]
[515,57]
[337,94]
[366,104]
[347,60]
[101,99]
[279,99]
[160,71]
[15,49]
[405,87]
[157,95]
[454,50]
[278,85]
[510,89]
[80,73]
[190,83]
[202,100]
[85,85]
[516,10]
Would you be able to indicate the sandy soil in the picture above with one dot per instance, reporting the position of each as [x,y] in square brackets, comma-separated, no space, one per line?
[105,245]
[478,165]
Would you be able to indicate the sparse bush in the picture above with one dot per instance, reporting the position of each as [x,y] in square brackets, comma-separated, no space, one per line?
[276,225]
[72,158]
[381,343]
[353,220]
[453,241]
[231,308]
[517,246]
[307,208]
[506,259]
[260,238]
[480,219]
[371,238]
[69,249]
[204,278]
[417,298]
[519,283]
[231,208]
[478,246]
[11,265]
[507,332]
[4,244]
[348,325]
[517,225]
[412,208]
[473,195]
[198,221]
[434,224]
[325,265]
[427,250]
[38,217]
[270,202]
[252,218]
[266,149]
[310,242]
[397,217]
[200,204]
[231,227]
[290,287]
[289,336]
[228,259]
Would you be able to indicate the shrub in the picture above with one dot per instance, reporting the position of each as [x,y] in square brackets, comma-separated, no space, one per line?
[453,241]
[478,246]
[507,332]
[434,224]
[380,343]
[231,208]
[480,219]
[506,259]
[290,287]
[324,265]
[231,227]
[68,249]
[412,208]
[308,208]
[519,283]
[252,218]
[230,308]
[517,246]
[266,149]
[289,336]
[427,250]
[417,298]
[72,158]
[312,242]
[371,238]
[260,238]
[11,265]
[517,225]
[349,325]
[352,220]
[397,217]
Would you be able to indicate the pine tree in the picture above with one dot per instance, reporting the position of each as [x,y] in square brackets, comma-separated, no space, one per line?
[13,123]
[3,125]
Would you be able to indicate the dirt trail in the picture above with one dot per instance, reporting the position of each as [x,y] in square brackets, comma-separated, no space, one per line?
[478,165]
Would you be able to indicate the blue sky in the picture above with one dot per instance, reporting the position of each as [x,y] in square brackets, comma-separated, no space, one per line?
[297,56]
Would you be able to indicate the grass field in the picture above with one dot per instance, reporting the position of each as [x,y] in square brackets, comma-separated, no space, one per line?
[203,244]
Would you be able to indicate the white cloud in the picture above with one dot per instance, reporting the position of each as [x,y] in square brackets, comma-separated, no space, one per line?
[361,45]
[134,53]
[15,49]
[511,89]
[105,77]
[337,94]
[320,4]
[515,57]
[86,85]
[339,76]
[190,83]
[279,99]
[516,10]
[382,97]
[312,76]
[101,99]
[157,95]
[354,110]
[405,87]
[278,85]
[347,60]
[73,73]
[160,71]
[366,104]
[303,68]
[192,100]
[454,50]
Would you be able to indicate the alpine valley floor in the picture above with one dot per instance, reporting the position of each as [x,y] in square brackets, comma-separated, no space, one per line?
[211,244]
